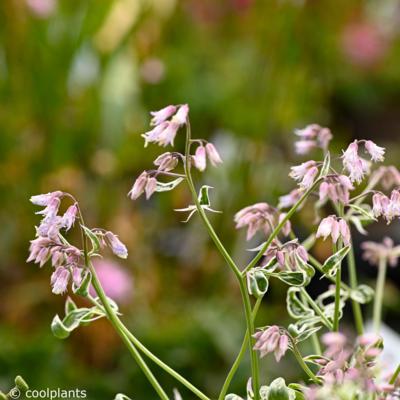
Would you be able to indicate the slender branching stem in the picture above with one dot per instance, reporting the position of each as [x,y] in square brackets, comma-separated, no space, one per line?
[241,279]
[303,364]
[118,326]
[240,356]
[395,375]
[380,287]
[316,308]
[358,318]
[140,346]
[338,282]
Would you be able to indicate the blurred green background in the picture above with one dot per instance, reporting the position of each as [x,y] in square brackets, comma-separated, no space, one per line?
[77,80]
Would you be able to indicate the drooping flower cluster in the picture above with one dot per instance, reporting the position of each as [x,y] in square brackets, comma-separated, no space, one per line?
[349,371]
[50,244]
[386,207]
[336,188]
[202,153]
[260,216]
[374,252]
[387,176]
[311,137]
[145,183]
[273,339]
[334,227]
[357,166]
[166,123]
[286,254]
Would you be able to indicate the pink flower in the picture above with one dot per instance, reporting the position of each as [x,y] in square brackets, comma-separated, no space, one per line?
[59,280]
[165,130]
[139,186]
[363,43]
[271,340]
[374,252]
[42,8]
[166,162]
[69,217]
[354,164]
[45,199]
[380,204]
[199,159]
[388,177]
[337,188]
[151,187]
[162,115]
[312,136]
[213,155]
[305,173]
[181,116]
[290,199]
[51,209]
[304,146]
[116,282]
[117,247]
[376,152]
[334,227]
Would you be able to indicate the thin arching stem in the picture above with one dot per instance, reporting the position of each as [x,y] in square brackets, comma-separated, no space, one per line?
[240,356]
[240,278]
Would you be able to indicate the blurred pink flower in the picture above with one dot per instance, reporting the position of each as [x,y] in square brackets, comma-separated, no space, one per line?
[363,44]
[116,282]
[42,8]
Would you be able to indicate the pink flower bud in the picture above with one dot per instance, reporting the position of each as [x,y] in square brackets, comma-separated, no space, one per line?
[117,247]
[199,158]
[69,217]
[151,187]
[60,280]
[213,155]
[166,162]
[344,232]
[138,186]
[325,227]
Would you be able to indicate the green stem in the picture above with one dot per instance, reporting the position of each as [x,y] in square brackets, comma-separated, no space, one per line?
[303,364]
[395,375]
[318,266]
[240,356]
[314,337]
[336,314]
[276,231]
[164,366]
[118,326]
[316,344]
[241,279]
[358,318]
[316,308]
[380,287]
[140,346]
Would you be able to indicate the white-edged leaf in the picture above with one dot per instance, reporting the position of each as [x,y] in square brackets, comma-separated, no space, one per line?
[334,261]
[167,186]
[94,240]
[326,165]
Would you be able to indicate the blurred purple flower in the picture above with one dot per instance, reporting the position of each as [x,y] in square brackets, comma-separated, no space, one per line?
[42,8]
[116,282]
